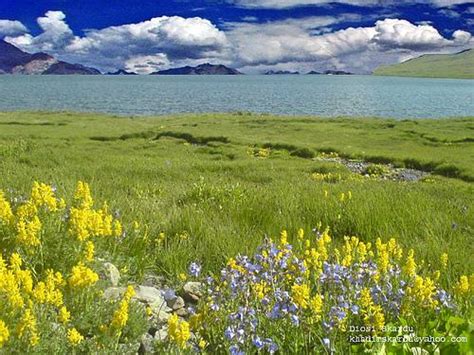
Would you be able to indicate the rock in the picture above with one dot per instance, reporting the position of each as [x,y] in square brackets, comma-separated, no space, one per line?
[192,291]
[182,312]
[153,281]
[161,334]
[176,303]
[160,317]
[147,295]
[113,293]
[111,273]
[146,344]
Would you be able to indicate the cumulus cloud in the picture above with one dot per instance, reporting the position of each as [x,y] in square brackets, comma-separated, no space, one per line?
[290,44]
[176,36]
[11,28]
[359,48]
[56,34]
[146,64]
[173,38]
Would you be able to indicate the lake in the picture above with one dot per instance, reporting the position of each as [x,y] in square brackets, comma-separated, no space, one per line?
[279,94]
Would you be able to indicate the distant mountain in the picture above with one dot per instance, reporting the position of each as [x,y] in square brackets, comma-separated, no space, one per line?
[457,66]
[281,72]
[337,72]
[203,69]
[14,61]
[312,72]
[63,68]
[121,72]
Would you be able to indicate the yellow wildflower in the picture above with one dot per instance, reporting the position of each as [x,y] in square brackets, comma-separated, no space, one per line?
[82,276]
[89,251]
[410,266]
[4,333]
[28,232]
[300,234]
[28,324]
[6,214]
[316,306]
[64,315]
[82,196]
[74,337]
[202,344]
[178,331]
[300,294]
[43,195]
[444,260]
[462,286]
[117,228]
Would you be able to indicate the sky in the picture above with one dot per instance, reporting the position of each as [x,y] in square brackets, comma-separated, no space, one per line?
[253,36]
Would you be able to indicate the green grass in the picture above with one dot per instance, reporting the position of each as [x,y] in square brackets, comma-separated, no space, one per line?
[456,66]
[194,173]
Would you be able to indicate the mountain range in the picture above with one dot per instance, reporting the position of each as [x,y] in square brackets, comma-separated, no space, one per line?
[14,61]
[202,69]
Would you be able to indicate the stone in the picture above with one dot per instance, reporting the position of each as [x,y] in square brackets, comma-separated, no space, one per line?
[176,303]
[148,294]
[192,291]
[146,344]
[161,334]
[153,280]
[114,293]
[160,317]
[144,294]
[111,273]
[182,312]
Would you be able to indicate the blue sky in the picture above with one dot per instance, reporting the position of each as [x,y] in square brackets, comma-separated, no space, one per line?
[252,35]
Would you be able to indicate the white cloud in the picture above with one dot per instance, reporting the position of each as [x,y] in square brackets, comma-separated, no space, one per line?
[290,44]
[146,64]
[56,34]
[360,48]
[174,37]
[11,28]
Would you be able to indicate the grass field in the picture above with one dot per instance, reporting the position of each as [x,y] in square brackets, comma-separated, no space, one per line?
[217,184]
[455,66]
[198,177]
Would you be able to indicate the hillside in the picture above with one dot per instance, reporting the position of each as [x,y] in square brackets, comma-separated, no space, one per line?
[14,61]
[202,69]
[457,66]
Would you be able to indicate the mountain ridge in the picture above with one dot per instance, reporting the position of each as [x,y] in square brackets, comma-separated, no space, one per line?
[459,65]
[15,61]
[201,69]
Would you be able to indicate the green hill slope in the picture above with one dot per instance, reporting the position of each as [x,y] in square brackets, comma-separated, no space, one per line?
[456,66]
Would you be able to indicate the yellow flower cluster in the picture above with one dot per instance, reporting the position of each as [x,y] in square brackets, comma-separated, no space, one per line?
[462,287]
[33,293]
[120,317]
[4,333]
[372,313]
[74,337]
[387,252]
[326,177]
[300,295]
[43,195]
[86,222]
[6,214]
[82,276]
[423,292]
[179,331]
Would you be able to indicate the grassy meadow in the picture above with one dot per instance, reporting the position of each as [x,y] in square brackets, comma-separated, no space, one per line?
[207,187]
[454,66]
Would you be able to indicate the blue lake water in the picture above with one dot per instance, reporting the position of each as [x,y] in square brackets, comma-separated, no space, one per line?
[280,94]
